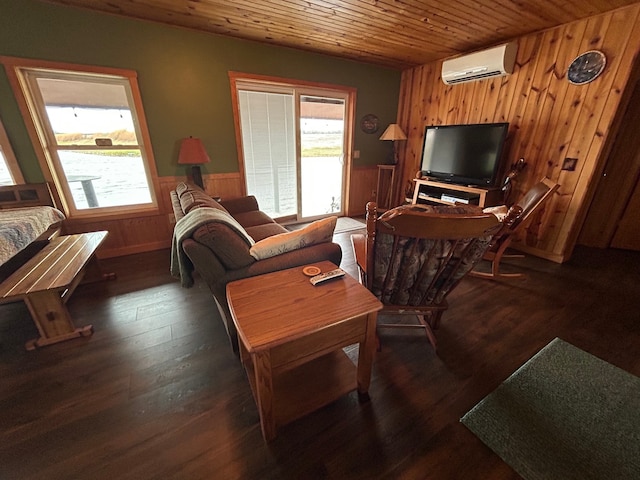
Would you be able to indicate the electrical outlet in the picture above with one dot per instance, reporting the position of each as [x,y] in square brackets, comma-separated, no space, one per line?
[356,154]
[569,164]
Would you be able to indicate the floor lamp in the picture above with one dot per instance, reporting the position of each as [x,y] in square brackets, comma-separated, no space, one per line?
[192,153]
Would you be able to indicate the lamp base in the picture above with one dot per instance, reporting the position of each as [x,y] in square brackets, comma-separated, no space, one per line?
[196,174]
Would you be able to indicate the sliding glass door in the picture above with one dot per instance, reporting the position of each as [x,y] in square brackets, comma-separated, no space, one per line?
[293,148]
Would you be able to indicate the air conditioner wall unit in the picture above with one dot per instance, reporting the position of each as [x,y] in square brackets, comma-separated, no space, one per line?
[493,62]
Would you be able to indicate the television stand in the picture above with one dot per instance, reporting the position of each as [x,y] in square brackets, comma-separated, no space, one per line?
[440,193]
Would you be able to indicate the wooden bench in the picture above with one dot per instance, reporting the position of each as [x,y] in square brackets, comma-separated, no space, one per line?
[46,282]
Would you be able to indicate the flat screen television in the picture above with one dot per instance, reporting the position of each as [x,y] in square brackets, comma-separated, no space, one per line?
[464,154]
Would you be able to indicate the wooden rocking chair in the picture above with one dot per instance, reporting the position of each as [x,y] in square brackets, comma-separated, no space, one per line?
[516,221]
[413,256]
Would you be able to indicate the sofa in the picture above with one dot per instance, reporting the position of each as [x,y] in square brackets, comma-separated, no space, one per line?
[232,239]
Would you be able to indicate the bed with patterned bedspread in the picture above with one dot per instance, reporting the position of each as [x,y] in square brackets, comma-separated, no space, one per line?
[28,221]
[21,226]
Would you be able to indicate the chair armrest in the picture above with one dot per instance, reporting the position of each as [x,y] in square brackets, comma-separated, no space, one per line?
[296,258]
[175,205]
[514,215]
[359,243]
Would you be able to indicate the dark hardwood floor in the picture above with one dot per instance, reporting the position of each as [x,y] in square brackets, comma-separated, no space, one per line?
[156,392]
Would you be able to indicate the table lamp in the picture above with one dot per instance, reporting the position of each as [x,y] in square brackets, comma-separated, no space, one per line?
[192,153]
[393,133]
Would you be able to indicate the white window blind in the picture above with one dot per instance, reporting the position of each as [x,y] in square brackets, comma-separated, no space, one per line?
[269,144]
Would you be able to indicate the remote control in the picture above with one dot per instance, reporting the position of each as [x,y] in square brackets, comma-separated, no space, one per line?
[323,277]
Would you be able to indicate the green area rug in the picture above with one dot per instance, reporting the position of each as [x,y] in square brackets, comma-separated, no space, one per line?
[564,414]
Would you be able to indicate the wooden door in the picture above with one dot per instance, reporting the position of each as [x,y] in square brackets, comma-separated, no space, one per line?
[613,219]
[627,234]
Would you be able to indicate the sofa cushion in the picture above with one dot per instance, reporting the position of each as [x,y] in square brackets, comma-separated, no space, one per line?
[183,187]
[240,204]
[319,231]
[231,248]
[253,218]
[260,232]
[193,199]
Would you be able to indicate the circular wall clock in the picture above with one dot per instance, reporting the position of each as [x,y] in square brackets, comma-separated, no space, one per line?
[586,67]
[370,123]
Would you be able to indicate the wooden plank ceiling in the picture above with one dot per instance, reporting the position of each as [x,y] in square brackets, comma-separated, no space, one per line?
[396,33]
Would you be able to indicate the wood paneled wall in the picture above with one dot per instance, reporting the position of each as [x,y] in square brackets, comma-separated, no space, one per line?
[135,234]
[549,118]
[362,190]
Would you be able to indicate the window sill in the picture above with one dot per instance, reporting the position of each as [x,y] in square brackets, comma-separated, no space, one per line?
[114,213]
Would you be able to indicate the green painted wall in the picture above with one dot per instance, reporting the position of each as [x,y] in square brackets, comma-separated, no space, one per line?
[183,77]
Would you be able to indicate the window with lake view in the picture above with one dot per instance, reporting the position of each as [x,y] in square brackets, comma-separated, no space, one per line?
[91,136]
[10,173]
[5,174]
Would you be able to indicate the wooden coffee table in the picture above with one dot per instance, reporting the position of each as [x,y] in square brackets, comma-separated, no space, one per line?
[291,338]
[48,280]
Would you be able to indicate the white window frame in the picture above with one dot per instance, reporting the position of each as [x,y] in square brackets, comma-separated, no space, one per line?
[9,157]
[18,71]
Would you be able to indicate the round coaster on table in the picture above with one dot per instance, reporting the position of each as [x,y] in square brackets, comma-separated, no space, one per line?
[311,271]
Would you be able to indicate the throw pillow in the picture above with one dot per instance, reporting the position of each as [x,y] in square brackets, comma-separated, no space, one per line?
[319,231]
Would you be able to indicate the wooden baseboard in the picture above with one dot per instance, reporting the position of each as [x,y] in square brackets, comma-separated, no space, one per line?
[133,249]
[553,257]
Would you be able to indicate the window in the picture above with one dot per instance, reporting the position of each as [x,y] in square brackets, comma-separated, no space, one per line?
[90,127]
[9,172]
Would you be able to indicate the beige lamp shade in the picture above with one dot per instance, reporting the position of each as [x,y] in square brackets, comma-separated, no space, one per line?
[393,132]
[192,152]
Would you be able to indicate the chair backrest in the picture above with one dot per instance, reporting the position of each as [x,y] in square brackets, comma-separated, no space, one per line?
[417,254]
